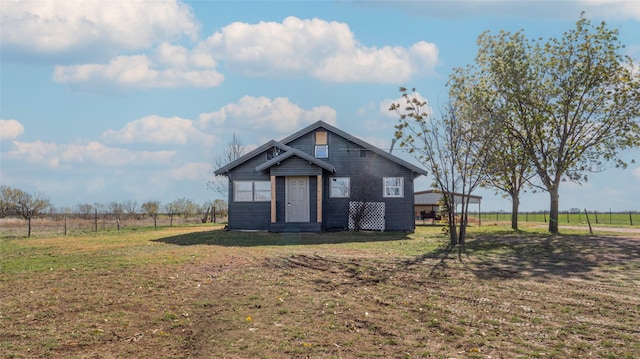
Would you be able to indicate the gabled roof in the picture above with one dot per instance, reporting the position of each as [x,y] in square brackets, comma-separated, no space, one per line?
[244,158]
[289,151]
[321,124]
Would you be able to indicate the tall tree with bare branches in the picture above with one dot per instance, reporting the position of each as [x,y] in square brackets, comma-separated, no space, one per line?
[234,149]
[453,147]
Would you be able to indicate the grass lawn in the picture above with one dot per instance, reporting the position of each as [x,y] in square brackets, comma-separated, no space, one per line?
[200,292]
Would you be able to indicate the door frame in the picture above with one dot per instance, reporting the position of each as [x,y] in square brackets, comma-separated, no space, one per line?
[306,203]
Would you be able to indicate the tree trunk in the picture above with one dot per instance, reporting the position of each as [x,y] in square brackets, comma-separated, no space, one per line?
[453,234]
[553,210]
[453,230]
[29,226]
[515,206]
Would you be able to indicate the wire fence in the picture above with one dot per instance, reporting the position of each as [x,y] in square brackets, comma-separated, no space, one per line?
[60,225]
[605,219]
[629,218]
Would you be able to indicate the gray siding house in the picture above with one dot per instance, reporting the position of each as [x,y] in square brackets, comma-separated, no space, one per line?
[320,179]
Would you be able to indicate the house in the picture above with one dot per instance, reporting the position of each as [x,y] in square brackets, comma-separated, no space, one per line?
[320,179]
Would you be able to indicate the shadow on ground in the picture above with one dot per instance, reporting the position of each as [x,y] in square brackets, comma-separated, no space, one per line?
[518,254]
[255,239]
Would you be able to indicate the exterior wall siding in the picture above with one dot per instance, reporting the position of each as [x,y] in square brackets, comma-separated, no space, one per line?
[365,168]
[248,215]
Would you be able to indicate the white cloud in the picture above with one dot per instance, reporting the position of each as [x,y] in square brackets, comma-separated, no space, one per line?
[93,153]
[158,130]
[47,27]
[139,71]
[382,144]
[195,171]
[258,113]
[384,105]
[617,9]
[318,48]
[37,152]
[10,129]
[607,9]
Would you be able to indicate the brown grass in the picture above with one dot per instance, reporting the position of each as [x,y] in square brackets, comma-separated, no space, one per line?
[195,292]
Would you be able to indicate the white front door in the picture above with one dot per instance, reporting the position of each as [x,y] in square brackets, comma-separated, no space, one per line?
[297,199]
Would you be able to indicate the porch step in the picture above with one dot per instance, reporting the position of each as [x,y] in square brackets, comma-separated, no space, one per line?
[295,227]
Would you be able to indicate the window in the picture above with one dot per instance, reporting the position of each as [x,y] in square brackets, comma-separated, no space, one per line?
[339,187]
[262,191]
[248,191]
[272,152]
[322,147]
[393,187]
[243,191]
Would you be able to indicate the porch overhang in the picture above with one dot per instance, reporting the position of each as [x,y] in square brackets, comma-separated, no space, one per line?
[293,153]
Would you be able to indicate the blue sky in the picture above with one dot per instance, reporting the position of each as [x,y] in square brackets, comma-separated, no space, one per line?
[129,100]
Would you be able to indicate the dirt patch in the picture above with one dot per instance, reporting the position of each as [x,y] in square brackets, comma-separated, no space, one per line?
[513,296]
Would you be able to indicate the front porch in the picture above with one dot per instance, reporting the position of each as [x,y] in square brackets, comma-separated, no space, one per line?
[296,203]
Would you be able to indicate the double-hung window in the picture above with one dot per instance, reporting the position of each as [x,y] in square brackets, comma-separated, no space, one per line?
[393,187]
[251,191]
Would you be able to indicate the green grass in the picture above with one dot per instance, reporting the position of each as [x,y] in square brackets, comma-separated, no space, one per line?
[604,219]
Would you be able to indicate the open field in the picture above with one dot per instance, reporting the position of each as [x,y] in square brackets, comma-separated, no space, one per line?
[199,292]
[604,219]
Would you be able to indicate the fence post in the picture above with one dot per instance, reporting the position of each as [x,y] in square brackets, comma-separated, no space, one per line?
[630,219]
[95,220]
[544,213]
[65,225]
[588,221]
[596,214]
[567,216]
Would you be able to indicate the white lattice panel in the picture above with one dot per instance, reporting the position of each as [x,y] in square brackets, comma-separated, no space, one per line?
[371,213]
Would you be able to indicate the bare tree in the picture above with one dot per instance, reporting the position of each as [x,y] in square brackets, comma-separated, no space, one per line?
[152,208]
[453,148]
[6,202]
[234,150]
[116,209]
[84,210]
[21,203]
[130,207]
[172,209]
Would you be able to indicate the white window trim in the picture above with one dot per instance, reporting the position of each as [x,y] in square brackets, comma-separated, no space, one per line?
[322,151]
[249,196]
[332,195]
[384,188]
[264,191]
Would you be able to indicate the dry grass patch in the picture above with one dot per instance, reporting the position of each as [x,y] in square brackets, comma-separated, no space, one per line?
[195,292]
